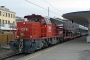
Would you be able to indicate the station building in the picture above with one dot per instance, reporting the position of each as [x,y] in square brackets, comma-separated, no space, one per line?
[6,16]
[7,25]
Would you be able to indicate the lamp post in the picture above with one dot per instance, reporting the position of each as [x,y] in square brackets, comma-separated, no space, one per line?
[0,34]
[48,11]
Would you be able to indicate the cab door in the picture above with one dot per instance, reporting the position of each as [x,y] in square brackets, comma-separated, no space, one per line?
[49,28]
[43,28]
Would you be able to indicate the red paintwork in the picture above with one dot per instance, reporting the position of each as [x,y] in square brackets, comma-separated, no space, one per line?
[36,30]
[46,30]
[32,30]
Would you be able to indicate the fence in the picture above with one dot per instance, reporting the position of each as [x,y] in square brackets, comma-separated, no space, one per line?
[6,38]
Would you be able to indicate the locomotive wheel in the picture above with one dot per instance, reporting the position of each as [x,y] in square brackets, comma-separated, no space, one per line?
[30,47]
[62,40]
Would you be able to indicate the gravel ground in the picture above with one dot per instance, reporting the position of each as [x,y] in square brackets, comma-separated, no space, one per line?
[5,52]
[85,55]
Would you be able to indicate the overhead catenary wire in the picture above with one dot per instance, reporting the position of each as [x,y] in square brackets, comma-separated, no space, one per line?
[42,7]
[52,6]
[35,4]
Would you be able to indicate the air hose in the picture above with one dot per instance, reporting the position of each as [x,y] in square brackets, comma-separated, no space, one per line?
[21,42]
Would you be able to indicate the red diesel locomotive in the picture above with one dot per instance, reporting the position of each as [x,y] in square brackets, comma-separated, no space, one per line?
[35,33]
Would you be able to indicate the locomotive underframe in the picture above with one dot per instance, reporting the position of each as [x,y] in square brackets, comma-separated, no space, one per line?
[30,45]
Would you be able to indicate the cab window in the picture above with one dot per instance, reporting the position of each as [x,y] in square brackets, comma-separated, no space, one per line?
[42,22]
[36,19]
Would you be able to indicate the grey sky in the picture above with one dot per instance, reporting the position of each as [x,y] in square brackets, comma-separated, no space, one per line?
[21,7]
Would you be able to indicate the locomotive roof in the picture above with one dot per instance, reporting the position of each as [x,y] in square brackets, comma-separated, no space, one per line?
[53,20]
[32,15]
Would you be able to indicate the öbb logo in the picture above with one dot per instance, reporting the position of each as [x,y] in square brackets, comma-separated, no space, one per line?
[24,29]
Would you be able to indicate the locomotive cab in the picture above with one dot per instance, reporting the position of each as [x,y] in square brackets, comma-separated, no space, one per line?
[45,24]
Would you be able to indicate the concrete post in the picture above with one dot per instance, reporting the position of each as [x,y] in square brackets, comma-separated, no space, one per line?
[88,37]
[89,28]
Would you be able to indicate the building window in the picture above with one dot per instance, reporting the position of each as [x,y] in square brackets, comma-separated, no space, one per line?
[11,15]
[3,13]
[0,21]
[3,21]
[6,14]
[8,22]
[13,22]
[0,13]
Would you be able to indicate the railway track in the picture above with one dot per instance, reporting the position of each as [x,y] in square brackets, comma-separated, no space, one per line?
[13,56]
[19,55]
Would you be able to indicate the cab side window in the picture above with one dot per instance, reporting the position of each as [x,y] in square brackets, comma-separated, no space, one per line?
[42,22]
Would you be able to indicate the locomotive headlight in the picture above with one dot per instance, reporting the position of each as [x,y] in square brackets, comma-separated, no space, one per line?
[24,23]
[17,37]
[30,36]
